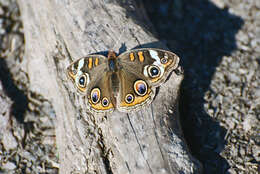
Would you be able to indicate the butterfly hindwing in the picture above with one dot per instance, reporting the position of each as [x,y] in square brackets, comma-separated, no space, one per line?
[134,91]
[100,96]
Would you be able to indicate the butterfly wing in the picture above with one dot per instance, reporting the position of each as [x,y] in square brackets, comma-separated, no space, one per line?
[142,70]
[91,78]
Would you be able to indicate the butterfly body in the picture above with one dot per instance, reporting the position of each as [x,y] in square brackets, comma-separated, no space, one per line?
[126,82]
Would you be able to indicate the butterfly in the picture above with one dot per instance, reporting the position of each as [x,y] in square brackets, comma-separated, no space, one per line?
[126,82]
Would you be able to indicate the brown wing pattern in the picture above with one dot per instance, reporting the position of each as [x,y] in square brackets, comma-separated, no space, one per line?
[138,71]
[91,78]
[142,70]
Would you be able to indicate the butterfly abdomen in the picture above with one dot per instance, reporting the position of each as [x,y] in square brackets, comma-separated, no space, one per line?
[114,83]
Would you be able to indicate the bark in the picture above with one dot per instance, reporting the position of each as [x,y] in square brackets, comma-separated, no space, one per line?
[148,141]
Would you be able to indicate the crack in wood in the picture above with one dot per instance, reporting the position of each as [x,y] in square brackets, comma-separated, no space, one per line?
[137,140]
[104,153]
[127,166]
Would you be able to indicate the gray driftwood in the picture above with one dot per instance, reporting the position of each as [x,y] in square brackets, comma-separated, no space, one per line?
[148,141]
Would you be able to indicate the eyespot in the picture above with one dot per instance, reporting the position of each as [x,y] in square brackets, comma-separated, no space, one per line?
[164,60]
[82,81]
[95,95]
[74,72]
[105,102]
[140,87]
[153,71]
[129,98]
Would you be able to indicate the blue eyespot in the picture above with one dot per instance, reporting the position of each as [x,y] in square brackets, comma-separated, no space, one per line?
[105,102]
[129,98]
[153,71]
[164,60]
[140,87]
[82,81]
[95,95]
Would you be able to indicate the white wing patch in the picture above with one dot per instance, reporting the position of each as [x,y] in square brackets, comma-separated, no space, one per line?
[145,72]
[80,64]
[154,55]
[79,72]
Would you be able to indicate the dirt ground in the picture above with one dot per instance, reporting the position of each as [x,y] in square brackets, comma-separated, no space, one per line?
[219,45]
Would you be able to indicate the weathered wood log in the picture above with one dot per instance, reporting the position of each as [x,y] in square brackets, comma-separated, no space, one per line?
[148,141]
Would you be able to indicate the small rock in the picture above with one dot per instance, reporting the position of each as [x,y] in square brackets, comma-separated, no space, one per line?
[27,155]
[234,78]
[257,49]
[240,167]
[6,3]
[28,170]
[234,65]
[233,151]
[219,3]
[9,166]
[5,104]
[243,37]
[231,171]
[239,160]
[230,122]
[257,17]
[257,92]
[48,141]
[242,151]
[242,71]
[16,42]
[9,141]
[256,152]
[244,48]
[257,4]
[211,112]
[246,125]
[249,122]
[255,42]
[1,11]
[2,31]
[250,74]
[46,122]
